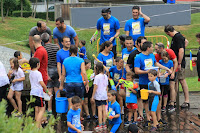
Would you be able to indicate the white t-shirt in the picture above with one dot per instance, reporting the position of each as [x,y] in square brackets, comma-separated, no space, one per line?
[3,75]
[101,80]
[36,88]
[18,86]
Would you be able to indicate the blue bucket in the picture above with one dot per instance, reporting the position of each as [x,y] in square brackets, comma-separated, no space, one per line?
[61,104]
[171,1]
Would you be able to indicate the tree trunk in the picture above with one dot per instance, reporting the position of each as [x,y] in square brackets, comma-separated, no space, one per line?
[35,9]
[7,12]
[2,11]
[47,14]
[21,8]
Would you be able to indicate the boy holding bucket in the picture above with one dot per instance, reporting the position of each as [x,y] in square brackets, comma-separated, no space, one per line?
[73,116]
[37,86]
[154,93]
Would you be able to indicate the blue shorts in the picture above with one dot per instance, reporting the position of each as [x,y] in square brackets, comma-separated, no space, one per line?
[153,103]
[115,128]
[100,102]
[74,89]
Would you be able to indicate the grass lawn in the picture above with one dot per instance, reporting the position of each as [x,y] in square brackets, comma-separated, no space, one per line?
[193,84]
[17,29]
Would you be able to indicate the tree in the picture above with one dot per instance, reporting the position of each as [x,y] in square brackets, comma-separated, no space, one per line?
[21,8]
[2,11]
[9,6]
[47,14]
[35,9]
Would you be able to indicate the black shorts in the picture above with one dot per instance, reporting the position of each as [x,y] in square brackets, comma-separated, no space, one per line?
[39,101]
[175,77]
[138,93]
[89,94]
[100,102]
[53,74]
[164,89]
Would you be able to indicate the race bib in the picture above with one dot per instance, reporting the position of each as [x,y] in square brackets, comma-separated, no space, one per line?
[106,28]
[125,58]
[116,77]
[162,71]
[109,62]
[136,28]
[148,63]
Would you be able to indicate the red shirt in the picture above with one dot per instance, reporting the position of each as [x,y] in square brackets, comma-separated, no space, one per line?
[42,55]
[169,51]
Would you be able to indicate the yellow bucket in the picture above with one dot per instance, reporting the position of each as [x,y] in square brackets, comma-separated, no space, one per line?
[144,94]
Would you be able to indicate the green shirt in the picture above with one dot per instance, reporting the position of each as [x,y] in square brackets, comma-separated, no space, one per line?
[89,73]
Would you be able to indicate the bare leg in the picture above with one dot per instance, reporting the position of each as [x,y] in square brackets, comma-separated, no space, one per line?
[36,112]
[140,107]
[100,109]
[158,112]
[19,101]
[40,116]
[185,89]
[120,101]
[130,114]
[10,98]
[50,102]
[93,105]
[85,106]
[104,113]
[70,103]
[146,107]
[172,92]
[153,115]
[135,114]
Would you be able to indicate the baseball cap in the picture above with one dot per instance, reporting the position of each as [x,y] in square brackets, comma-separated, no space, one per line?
[105,10]
[133,128]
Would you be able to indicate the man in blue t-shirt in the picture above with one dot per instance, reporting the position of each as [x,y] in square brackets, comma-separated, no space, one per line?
[129,48]
[62,54]
[135,27]
[62,30]
[110,28]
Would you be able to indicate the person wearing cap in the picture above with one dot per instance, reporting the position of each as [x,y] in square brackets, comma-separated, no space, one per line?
[132,128]
[110,28]
[135,26]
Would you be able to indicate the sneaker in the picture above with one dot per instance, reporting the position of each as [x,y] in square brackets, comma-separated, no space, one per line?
[135,122]
[87,117]
[153,129]
[171,109]
[14,112]
[95,117]
[147,124]
[104,127]
[98,128]
[163,109]
[185,105]
[162,122]
[140,118]
[127,123]
[18,114]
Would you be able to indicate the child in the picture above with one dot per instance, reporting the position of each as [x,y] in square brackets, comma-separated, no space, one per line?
[21,60]
[163,74]
[73,116]
[82,52]
[113,107]
[100,95]
[154,92]
[89,72]
[37,86]
[117,73]
[132,128]
[16,86]
[131,97]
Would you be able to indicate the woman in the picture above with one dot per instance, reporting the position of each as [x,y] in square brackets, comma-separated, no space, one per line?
[72,68]
[106,55]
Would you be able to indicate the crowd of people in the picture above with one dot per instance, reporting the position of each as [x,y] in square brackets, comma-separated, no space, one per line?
[62,66]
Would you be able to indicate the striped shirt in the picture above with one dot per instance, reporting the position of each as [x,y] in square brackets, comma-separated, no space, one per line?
[51,50]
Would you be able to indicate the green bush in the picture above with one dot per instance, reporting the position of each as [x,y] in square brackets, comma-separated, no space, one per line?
[24,124]
[41,15]
[26,5]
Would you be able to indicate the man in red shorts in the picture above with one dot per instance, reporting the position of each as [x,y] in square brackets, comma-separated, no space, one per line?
[159,48]
[42,55]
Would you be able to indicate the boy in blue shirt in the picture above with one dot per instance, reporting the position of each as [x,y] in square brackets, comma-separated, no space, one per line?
[114,110]
[153,99]
[82,52]
[73,116]
[131,97]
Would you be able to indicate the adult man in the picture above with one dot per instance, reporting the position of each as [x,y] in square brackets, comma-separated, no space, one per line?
[198,56]
[178,46]
[159,48]
[53,82]
[62,54]
[62,30]
[135,27]
[143,63]
[129,48]
[110,28]
[130,64]
[42,55]
[38,30]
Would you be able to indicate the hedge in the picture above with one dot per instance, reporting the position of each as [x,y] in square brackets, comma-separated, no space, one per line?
[27,14]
